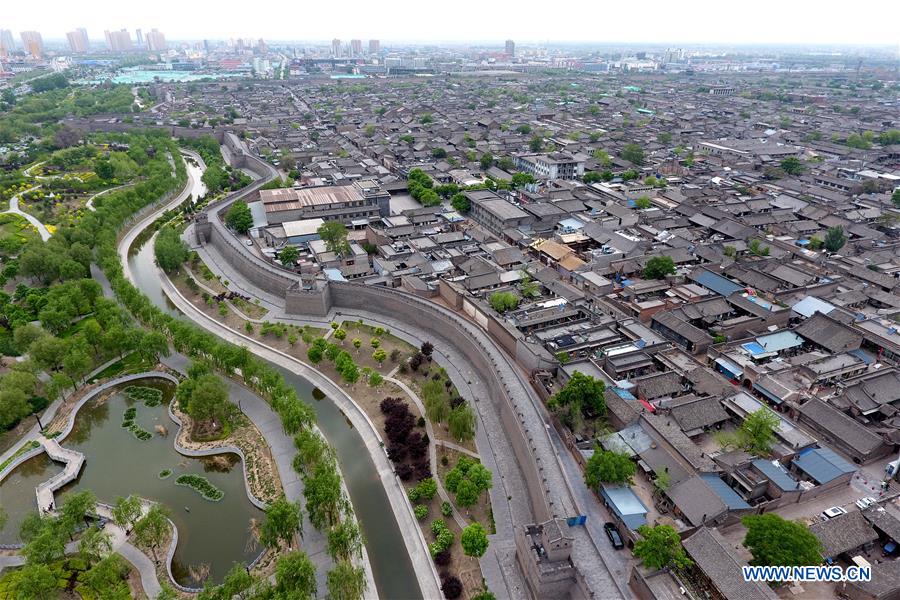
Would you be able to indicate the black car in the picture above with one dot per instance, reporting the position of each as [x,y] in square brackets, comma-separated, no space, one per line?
[613,534]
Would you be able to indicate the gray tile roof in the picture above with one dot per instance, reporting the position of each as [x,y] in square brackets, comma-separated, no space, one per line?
[715,557]
[843,534]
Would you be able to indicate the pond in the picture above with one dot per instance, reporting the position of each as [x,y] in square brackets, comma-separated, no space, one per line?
[118,464]
[391,565]
[17,493]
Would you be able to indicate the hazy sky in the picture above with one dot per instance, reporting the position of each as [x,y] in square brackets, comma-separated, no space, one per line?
[661,21]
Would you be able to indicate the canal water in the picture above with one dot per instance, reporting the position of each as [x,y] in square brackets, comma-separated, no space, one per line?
[391,565]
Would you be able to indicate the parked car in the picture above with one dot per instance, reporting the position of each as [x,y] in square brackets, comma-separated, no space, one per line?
[834,511]
[613,534]
[864,503]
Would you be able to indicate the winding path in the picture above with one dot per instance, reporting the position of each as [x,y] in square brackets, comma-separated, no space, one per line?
[90,203]
[14,209]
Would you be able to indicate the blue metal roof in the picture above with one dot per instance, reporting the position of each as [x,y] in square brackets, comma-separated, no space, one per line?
[811,305]
[731,498]
[776,474]
[782,340]
[753,348]
[625,504]
[822,464]
[720,285]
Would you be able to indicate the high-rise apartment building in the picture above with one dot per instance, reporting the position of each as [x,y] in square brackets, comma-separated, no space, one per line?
[78,40]
[119,41]
[139,37]
[510,48]
[336,48]
[7,42]
[355,48]
[156,41]
[374,47]
[33,43]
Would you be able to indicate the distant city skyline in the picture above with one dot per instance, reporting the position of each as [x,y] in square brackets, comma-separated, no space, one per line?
[660,22]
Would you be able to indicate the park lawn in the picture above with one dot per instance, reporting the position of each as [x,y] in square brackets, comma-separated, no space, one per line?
[15,231]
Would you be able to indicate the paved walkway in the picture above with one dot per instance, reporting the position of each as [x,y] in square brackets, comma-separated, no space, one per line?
[73,460]
[90,203]
[14,209]
[315,544]
[428,580]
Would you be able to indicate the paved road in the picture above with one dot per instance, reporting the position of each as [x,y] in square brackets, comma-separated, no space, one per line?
[14,209]
[606,570]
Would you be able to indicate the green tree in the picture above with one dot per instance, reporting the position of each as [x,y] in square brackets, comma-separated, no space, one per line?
[633,154]
[773,540]
[170,250]
[283,520]
[757,249]
[334,234]
[346,582]
[205,399]
[658,267]
[835,238]
[295,577]
[345,541]
[152,529]
[895,198]
[643,203]
[503,301]
[608,467]
[660,547]
[94,544]
[757,432]
[582,395]
[460,202]
[288,256]
[468,480]
[340,335]
[536,143]
[239,217]
[487,160]
[126,511]
[104,169]
[37,582]
[77,508]
[474,540]
[461,422]
[792,165]
[379,355]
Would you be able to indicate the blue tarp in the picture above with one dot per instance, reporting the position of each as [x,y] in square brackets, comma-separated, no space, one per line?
[776,474]
[731,498]
[717,283]
[753,348]
[822,464]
